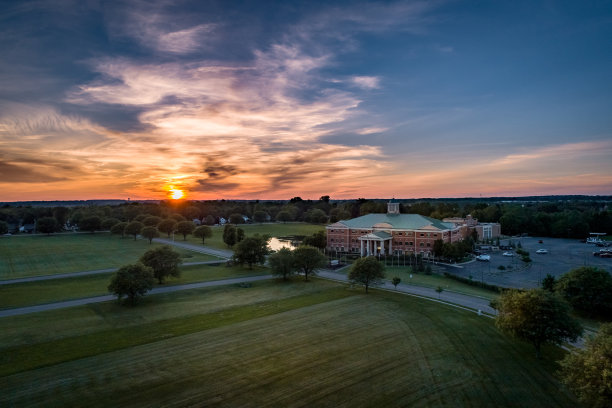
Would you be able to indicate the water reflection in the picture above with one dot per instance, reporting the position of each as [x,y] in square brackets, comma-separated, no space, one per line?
[284,242]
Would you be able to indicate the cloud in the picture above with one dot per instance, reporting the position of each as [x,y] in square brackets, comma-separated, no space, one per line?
[15,173]
[366,82]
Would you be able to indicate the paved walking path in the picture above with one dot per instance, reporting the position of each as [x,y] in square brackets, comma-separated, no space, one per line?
[221,253]
[86,273]
[106,298]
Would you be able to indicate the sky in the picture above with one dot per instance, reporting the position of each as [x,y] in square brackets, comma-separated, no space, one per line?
[276,99]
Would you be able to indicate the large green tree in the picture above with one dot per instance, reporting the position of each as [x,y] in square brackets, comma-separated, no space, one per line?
[132,281]
[151,221]
[536,316]
[317,240]
[252,250]
[588,289]
[203,231]
[150,233]
[229,235]
[167,226]
[109,222]
[119,229]
[367,271]
[163,261]
[91,224]
[282,263]
[308,259]
[588,372]
[46,225]
[185,228]
[134,228]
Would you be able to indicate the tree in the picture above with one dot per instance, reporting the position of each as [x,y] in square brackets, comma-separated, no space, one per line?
[134,228]
[367,271]
[316,216]
[132,281]
[108,223]
[260,216]
[283,216]
[3,227]
[119,229]
[395,281]
[229,235]
[91,224]
[163,261]
[548,283]
[588,289]
[536,316]
[282,263]
[209,220]
[239,234]
[317,240]
[178,217]
[588,372]
[252,250]
[46,225]
[236,218]
[307,259]
[151,221]
[149,233]
[185,228]
[438,247]
[168,226]
[203,231]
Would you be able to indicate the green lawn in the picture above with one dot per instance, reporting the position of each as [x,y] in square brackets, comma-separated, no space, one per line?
[34,293]
[22,256]
[297,344]
[433,281]
[272,229]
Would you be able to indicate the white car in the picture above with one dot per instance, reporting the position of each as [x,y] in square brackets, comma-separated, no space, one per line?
[508,254]
[483,258]
[542,251]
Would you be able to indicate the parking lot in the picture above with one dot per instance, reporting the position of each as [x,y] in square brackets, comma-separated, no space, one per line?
[563,255]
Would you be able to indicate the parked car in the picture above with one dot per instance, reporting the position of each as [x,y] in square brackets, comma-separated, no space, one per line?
[542,251]
[540,242]
[483,258]
[606,255]
[508,254]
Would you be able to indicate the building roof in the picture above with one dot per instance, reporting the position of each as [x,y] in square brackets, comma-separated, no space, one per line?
[377,235]
[396,221]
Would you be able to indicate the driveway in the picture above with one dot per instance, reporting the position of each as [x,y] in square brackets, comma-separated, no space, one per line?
[221,253]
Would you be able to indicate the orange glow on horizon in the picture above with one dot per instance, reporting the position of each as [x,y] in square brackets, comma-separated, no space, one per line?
[175,193]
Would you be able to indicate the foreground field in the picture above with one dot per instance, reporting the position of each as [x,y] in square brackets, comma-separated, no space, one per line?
[22,256]
[274,344]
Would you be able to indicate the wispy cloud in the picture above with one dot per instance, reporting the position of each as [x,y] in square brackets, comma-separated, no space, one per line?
[366,82]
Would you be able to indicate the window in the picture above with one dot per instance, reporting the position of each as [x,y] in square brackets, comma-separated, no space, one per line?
[428,244]
[421,244]
[422,234]
[411,243]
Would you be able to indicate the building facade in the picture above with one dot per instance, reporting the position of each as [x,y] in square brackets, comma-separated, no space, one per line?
[390,233]
[485,230]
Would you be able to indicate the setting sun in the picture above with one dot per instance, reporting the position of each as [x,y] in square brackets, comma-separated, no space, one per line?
[175,194]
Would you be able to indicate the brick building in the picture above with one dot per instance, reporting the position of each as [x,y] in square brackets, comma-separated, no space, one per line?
[390,233]
[485,230]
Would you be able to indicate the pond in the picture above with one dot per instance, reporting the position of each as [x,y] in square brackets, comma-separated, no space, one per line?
[284,242]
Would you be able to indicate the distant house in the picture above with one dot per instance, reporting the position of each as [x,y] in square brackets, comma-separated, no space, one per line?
[197,221]
[222,221]
[27,228]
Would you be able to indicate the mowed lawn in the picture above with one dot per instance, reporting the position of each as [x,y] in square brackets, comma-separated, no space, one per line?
[272,229]
[56,290]
[274,344]
[22,256]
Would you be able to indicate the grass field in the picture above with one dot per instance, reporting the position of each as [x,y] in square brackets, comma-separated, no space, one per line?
[272,229]
[35,293]
[22,256]
[297,344]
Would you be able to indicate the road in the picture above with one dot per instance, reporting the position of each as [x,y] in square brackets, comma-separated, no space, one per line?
[106,298]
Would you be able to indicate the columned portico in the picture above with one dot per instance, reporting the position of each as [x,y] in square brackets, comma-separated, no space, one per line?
[376,243]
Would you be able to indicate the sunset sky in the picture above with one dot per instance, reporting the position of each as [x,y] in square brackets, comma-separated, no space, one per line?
[275,99]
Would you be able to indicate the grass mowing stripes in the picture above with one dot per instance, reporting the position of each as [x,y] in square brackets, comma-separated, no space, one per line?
[381,349]
[20,358]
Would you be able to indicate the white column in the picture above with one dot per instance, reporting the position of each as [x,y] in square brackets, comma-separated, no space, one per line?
[361,251]
[391,246]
